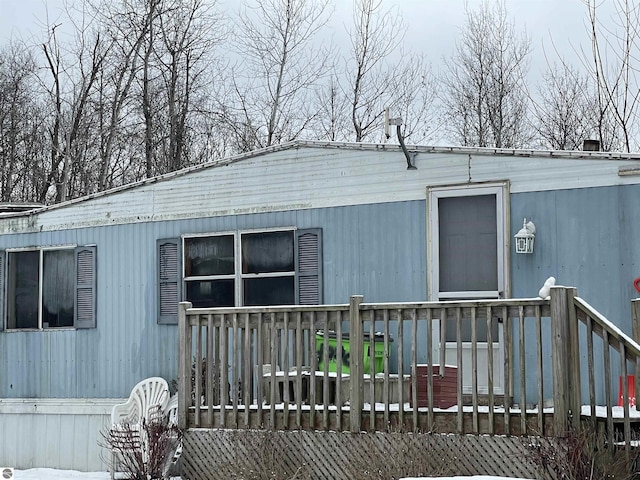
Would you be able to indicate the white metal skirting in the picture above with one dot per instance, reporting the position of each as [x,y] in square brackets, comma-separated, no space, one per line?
[58,433]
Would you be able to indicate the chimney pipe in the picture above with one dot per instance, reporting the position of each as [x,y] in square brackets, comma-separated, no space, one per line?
[591,145]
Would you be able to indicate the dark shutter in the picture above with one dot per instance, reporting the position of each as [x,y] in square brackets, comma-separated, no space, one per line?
[309,266]
[3,275]
[85,301]
[168,280]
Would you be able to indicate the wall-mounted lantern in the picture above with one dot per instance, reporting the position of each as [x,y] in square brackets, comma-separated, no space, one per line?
[525,237]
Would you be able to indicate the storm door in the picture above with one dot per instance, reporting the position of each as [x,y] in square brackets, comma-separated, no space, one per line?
[467,258]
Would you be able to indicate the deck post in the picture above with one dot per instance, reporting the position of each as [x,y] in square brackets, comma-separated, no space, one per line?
[573,355]
[356,357]
[565,362]
[184,364]
[635,331]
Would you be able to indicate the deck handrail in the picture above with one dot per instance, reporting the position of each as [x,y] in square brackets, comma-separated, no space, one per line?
[628,349]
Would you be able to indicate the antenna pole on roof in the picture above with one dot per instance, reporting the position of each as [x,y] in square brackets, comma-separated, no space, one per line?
[398,123]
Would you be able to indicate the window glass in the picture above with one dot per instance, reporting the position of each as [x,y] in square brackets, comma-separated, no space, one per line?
[58,288]
[269,291]
[23,289]
[211,293]
[209,256]
[267,276]
[267,252]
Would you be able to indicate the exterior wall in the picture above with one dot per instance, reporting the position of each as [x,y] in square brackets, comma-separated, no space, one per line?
[586,238]
[376,250]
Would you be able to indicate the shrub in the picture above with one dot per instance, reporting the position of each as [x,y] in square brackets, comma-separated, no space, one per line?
[580,455]
[143,451]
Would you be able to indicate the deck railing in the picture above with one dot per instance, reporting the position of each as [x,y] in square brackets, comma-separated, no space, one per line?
[381,367]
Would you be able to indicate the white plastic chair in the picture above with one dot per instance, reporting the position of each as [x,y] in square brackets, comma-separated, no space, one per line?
[148,400]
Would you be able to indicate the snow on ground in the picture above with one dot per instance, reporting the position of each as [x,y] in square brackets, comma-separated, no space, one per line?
[51,474]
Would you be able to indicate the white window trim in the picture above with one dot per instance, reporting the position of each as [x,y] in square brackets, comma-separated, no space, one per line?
[238,276]
[41,250]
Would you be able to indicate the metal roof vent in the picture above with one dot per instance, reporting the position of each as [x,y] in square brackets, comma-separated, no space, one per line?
[591,145]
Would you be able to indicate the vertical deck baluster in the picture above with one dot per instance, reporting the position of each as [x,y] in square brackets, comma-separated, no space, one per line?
[210,370]
[607,386]
[313,356]
[247,384]
[591,368]
[400,369]
[507,332]
[387,352]
[235,357]
[541,425]
[460,415]
[339,390]
[443,343]
[474,370]
[490,370]
[523,373]
[198,373]
[325,376]
[224,370]
[299,359]
[430,344]
[413,370]
[372,375]
[260,369]
[286,368]
[625,399]
[273,386]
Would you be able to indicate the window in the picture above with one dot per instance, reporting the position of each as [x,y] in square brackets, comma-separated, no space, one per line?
[275,267]
[49,287]
[256,268]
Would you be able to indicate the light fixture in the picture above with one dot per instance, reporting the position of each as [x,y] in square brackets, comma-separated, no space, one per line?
[525,237]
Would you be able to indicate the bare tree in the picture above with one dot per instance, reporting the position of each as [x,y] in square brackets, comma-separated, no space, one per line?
[614,64]
[565,112]
[72,79]
[380,73]
[483,91]
[283,63]
[158,79]
[412,97]
[22,137]
[332,124]
[375,35]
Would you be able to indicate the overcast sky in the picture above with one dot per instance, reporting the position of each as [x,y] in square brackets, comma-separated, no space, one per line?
[431,26]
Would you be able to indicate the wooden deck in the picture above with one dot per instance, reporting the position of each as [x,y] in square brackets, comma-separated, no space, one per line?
[276,368]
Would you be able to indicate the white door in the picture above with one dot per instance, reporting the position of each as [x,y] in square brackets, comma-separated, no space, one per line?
[468,246]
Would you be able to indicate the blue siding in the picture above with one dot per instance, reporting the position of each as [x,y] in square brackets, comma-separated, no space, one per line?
[374,250]
[585,238]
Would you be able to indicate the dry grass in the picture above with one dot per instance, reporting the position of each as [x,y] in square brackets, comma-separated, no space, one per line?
[580,455]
